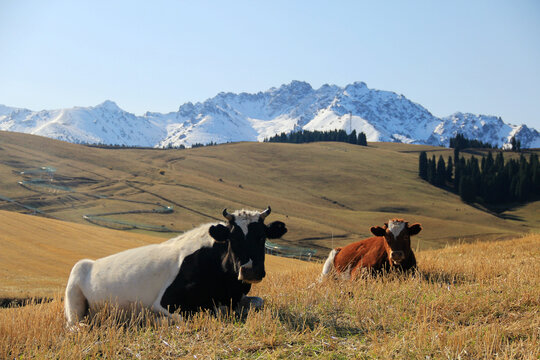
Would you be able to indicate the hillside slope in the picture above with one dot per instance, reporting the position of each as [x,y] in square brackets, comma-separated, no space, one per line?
[328,193]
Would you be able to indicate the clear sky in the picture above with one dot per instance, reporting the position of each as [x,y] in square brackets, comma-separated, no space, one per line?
[470,56]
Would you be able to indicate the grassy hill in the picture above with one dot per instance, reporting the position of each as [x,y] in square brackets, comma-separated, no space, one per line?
[329,194]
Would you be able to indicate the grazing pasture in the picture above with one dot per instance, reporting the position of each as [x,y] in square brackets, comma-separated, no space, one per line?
[471,298]
[468,301]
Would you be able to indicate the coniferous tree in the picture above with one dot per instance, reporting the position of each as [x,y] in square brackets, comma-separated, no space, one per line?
[460,142]
[489,164]
[352,137]
[432,170]
[535,175]
[499,161]
[456,154]
[513,143]
[423,165]
[466,191]
[449,170]
[441,172]
[475,175]
[460,167]
[362,140]
[489,181]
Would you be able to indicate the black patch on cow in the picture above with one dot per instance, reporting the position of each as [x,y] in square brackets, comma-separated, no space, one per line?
[209,277]
[219,232]
[202,283]
[276,230]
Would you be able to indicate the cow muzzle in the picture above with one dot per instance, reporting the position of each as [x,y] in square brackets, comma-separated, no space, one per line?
[250,274]
[397,256]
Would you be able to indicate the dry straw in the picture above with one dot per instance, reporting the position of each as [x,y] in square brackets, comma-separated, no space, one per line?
[473,301]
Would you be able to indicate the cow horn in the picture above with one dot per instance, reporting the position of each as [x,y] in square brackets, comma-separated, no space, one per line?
[265,213]
[227,215]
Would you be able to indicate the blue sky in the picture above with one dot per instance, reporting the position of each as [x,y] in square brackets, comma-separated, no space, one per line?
[470,56]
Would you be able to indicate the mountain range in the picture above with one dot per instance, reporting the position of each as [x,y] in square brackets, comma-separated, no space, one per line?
[230,117]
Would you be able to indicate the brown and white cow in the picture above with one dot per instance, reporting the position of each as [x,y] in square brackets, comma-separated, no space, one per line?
[389,249]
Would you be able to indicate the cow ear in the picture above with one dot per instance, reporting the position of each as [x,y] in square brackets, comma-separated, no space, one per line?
[378,231]
[276,230]
[219,232]
[414,229]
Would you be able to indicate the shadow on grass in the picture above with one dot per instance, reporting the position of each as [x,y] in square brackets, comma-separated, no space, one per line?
[444,278]
[309,321]
[21,302]
[136,316]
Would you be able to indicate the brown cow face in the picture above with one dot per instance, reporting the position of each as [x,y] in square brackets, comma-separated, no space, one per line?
[397,234]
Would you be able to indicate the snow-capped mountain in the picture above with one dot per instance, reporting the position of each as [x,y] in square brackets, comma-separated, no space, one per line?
[229,117]
[105,123]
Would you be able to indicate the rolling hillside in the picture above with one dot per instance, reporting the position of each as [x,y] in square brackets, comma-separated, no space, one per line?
[328,193]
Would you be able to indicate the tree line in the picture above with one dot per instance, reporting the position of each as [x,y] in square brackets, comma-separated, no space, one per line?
[307,136]
[168,147]
[487,180]
[460,142]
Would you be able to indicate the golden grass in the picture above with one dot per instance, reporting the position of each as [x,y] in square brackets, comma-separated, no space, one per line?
[37,254]
[470,301]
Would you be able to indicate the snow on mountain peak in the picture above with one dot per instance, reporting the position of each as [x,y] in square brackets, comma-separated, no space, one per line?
[108,105]
[381,115]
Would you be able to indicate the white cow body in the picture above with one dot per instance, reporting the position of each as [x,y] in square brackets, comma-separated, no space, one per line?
[135,276]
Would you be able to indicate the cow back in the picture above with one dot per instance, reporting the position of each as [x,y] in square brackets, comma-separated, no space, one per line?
[369,253]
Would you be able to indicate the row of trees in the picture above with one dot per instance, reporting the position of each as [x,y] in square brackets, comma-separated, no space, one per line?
[460,142]
[489,180]
[169,146]
[307,136]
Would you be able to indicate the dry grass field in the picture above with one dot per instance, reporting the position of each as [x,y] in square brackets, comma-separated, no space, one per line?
[472,298]
[468,301]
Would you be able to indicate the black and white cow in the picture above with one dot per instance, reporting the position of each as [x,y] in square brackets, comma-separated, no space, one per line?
[209,266]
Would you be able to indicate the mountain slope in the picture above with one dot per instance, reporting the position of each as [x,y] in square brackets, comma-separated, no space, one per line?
[105,123]
[228,117]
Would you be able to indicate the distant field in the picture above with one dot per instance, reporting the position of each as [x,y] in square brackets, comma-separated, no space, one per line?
[329,194]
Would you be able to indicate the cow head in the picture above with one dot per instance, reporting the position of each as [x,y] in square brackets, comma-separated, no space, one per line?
[397,234]
[246,233]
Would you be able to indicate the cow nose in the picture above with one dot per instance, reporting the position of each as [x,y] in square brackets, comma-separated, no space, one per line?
[397,255]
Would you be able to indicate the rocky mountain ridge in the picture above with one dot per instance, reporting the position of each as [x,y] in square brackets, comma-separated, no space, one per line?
[230,117]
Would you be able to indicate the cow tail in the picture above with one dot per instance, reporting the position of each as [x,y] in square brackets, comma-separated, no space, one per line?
[75,303]
[328,267]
